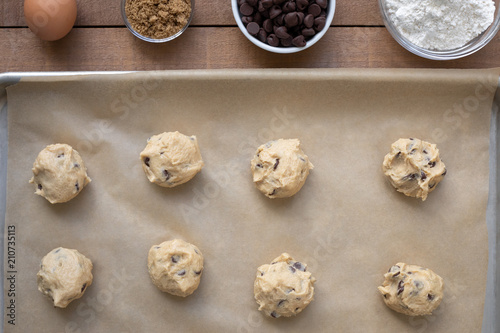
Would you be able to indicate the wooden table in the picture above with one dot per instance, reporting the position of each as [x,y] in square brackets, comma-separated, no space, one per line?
[101,42]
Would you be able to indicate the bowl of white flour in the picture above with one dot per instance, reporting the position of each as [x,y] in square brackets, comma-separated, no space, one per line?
[441,29]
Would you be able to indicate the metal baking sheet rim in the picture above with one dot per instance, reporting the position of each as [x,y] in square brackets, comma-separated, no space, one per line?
[491,311]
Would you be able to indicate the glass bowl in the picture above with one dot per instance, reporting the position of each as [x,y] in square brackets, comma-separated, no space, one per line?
[283,49]
[155,40]
[473,46]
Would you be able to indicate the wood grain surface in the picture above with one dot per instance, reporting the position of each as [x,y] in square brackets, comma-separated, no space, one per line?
[100,41]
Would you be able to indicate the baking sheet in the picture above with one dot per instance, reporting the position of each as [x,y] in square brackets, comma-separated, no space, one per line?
[348,229]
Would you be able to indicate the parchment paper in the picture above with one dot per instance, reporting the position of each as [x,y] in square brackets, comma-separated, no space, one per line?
[347,223]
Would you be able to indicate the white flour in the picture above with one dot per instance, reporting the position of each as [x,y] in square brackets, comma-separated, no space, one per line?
[441,24]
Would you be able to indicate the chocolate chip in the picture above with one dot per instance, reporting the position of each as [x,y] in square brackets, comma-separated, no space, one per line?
[296,309]
[299,266]
[281,32]
[273,40]
[423,176]
[157,247]
[286,41]
[83,287]
[274,263]
[60,155]
[166,174]
[274,314]
[262,35]
[274,11]
[291,19]
[246,9]
[424,151]
[292,269]
[267,3]
[56,251]
[299,41]
[175,259]
[258,165]
[240,2]
[431,185]
[77,187]
[253,3]
[279,20]
[268,25]
[314,10]
[273,192]
[76,165]
[308,32]
[430,297]
[309,21]
[182,272]
[302,4]
[40,186]
[401,287]
[245,20]
[261,9]
[385,295]
[319,23]
[253,28]
[146,161]
[322,3]
[280,303]
[418,284]
[411,176]
[413,151]
[444,173]
[276,164]
[412,139]
[432,164]
[396,274]
[289,7]
[197,273]
[278,2]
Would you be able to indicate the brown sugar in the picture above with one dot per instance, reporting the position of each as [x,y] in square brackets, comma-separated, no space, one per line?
[158,19]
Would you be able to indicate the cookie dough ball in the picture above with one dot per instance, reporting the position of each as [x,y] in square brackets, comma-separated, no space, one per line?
[412,290]
[175,267]
[283,288]
[171,159]
[280,168]
[414,167]
[64,275]
[59,173]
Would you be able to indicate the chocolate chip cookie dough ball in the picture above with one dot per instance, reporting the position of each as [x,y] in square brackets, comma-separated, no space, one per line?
[171,159]
[175,267]
[59,173]
[283,288]
[414,167]
[412,290]
[64,276]
[280,168]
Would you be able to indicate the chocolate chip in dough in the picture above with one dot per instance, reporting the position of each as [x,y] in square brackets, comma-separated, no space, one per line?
[146,161]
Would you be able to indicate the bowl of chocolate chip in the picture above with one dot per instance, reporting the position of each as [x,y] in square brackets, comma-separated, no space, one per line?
[283,26]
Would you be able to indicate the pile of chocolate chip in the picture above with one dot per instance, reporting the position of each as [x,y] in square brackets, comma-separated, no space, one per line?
[283,22]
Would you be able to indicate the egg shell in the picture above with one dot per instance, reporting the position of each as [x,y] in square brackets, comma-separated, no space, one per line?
[50,19]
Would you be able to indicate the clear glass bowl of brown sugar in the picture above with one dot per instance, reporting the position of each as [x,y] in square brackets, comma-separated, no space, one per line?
[157,23]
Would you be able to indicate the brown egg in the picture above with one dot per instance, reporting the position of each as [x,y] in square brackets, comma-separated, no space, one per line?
[50,19]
